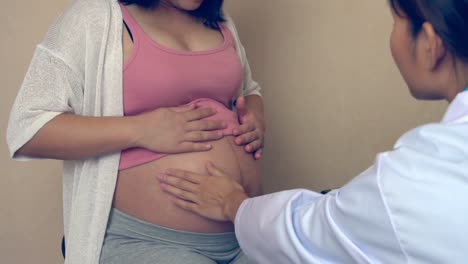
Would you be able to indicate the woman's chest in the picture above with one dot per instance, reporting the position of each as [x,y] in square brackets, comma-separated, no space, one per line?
[162,79]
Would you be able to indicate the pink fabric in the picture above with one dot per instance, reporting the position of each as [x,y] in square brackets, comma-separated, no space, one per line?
[155,76]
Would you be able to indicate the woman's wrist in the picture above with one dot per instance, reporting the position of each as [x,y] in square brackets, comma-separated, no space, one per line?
[132,131]
[254,104]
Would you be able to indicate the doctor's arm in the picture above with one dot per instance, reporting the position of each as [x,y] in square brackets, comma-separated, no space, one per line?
[348,225]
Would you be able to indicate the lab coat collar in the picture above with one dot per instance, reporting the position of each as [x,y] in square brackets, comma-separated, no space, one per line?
[457,111]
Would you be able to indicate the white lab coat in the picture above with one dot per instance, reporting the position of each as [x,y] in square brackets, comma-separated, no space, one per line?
[411,206]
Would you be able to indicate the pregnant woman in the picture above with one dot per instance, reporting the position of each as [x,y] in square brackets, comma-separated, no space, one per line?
[123,91]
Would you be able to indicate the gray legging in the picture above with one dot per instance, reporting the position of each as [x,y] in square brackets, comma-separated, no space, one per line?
[130,240]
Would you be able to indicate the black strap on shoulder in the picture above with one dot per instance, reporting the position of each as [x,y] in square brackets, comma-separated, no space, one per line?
[63,247]
[128,30]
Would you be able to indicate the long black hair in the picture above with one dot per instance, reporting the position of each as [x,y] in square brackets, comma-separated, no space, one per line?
[210,11]
[448,17]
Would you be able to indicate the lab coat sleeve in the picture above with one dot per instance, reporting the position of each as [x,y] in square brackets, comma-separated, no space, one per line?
[349,225]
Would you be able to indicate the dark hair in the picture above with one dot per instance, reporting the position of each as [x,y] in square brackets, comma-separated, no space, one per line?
[448,17]
[210,11]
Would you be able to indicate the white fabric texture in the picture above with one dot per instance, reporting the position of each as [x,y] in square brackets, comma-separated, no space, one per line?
[411,206]
[78,69]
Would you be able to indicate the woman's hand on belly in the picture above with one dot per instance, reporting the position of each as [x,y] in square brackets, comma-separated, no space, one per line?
[177,129]
[250,133]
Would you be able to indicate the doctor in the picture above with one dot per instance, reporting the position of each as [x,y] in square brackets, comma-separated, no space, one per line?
[411,206]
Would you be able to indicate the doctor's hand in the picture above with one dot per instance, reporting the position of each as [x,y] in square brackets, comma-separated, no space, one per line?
[252,129]
[215,196]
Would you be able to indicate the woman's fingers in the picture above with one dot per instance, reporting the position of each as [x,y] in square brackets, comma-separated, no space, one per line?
[247,138]
[201,136]
[192,147]
[206,125]
[244,128]
[184,108]
[258,154]
[199,113]
[253,146]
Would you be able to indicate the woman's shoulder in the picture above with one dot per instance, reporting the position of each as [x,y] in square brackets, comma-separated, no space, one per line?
[81,17]
[82,11]
[90,8]
[229,23]
[76,28]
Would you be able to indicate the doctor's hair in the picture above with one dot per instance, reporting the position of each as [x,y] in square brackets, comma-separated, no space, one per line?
[210,12]
[449,18]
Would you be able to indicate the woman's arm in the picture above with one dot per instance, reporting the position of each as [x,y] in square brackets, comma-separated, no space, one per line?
[166,130]
[249,103]
[71,136]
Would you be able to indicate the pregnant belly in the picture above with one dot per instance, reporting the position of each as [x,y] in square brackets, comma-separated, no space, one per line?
[138,192]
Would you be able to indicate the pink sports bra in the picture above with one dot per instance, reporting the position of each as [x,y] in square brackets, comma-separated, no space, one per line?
[156,76]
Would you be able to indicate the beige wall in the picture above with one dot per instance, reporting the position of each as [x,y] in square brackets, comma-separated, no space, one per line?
[333,99]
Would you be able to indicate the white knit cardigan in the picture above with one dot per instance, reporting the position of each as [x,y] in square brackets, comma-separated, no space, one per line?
[77,69]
